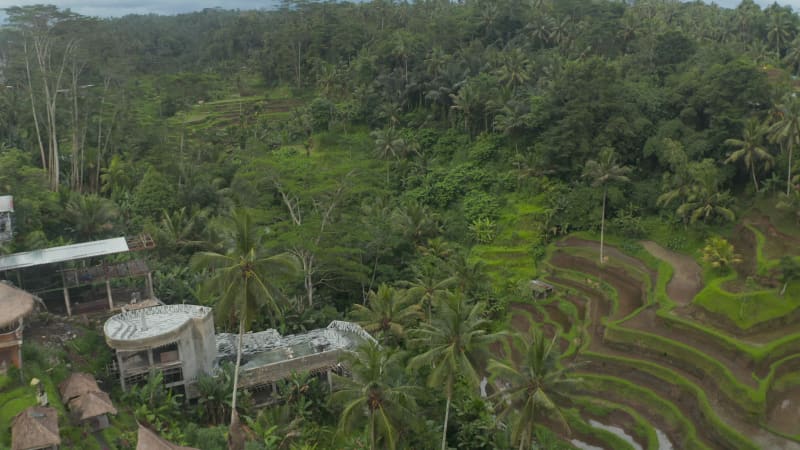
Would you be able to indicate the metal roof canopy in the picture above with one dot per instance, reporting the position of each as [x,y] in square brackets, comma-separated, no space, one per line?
[64,253]
[6,203]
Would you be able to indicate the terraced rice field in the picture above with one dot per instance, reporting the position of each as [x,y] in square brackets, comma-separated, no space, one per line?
[664,374]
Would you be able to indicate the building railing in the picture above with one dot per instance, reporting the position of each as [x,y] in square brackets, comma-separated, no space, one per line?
[14,335]
[279,370]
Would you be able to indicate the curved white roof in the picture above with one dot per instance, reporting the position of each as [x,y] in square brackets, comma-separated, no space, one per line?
[151,322]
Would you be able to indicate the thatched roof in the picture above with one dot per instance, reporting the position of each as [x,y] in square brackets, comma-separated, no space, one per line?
[91,404]
[76,385]
[36,427]
[149,440]
[14,304]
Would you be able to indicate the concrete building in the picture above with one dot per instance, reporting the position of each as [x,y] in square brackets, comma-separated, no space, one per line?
[177,340]
[268,357]
[15,304]
[6,218]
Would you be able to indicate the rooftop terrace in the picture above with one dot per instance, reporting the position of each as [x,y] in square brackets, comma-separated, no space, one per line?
[151,322]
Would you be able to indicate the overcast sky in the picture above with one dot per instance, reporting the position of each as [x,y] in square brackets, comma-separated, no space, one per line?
[107,8]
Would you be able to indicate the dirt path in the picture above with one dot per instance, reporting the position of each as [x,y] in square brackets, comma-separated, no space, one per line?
[686,279]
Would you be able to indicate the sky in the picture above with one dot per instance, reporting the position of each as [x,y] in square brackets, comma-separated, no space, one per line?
[110,8]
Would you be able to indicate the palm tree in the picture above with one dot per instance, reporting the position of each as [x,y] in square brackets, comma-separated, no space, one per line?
[90,215]
[455,339]
[466,101]
[786,131]
[706,201]
[515,68]
[792,58]
[602,172]
[390,311]
[535,385]
[388,145]
[469,276]
[242,279]
[779,31]
[428,286]
[749,149]
[179,230]
[375,390]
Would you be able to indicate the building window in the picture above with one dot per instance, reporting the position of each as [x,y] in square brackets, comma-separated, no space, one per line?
[166,354]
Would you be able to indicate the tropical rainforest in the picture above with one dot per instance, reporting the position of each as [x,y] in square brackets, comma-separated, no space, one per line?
[413,167]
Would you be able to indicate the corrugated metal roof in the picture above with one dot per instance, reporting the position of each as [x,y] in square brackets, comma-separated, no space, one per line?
[6,203]
[63,253]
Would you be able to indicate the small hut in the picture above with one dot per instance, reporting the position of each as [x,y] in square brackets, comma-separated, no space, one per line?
[86,402]
[15,304]
[77,384]
[150,440]
[94,408]
[36,428]
[541,289]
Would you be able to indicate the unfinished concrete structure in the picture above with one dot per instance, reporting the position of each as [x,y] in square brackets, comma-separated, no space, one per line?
[15,304]
[177,340]
[79,277]
[268,357]
[6,218]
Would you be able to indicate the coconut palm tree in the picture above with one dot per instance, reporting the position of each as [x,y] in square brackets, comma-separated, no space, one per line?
[389,312]
[536,385]
[515,68]
[241,280]
[601,173]
[705,201]
[455,341]
[786,131]
[749,149]
[427,286]
[90,215]
[389,144]
[780,31]
[376,391]
[792,58]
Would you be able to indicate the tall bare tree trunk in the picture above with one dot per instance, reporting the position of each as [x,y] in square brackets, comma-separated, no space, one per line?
[33,108]
[603,225]
[236,370]
[446,417]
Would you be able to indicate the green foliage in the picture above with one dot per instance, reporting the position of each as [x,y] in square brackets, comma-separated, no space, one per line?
[152,195]
[719,253]
[483,230]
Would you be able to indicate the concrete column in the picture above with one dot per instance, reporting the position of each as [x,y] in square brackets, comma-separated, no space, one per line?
[330,379]
[108,292]
[121,372]
[66,301]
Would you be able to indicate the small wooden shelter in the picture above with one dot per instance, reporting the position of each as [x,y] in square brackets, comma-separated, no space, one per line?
[85,400]
[541,289]
[15,304]
[150,440]
[36,428]
[72,273]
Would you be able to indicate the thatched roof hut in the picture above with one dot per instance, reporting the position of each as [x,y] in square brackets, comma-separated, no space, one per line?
[76,385]
[91,404]
[35,428]
[149,440]
[14,305]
